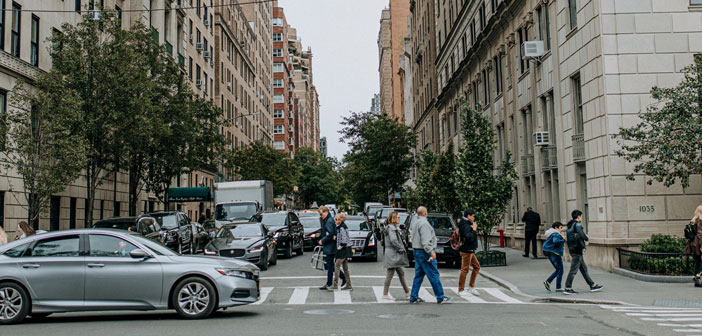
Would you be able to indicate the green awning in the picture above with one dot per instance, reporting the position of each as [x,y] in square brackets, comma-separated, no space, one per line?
[200,194]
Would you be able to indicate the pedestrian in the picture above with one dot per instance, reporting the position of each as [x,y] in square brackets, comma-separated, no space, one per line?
[468,230]
[343,253]
[553,248]
[25,230]
[424,250]
[577,239]
[328,242]
[395,257]
[694,245]
[532,221]
[201,220]
[3,236]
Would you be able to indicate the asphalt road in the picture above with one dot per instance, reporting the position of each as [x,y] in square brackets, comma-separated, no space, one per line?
[294,306]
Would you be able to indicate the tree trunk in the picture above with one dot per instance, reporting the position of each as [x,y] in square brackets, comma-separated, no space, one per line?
[133,190]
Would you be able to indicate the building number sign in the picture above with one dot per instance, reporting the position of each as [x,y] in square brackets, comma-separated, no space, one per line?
[647,208]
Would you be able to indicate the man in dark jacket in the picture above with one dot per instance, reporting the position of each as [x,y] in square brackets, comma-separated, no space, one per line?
[468,230]
[328,242]
[532,221]
[576,246]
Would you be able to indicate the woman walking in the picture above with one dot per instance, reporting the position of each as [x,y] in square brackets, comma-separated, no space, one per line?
[553,246]
[395,255]
[343,252]
[694,246]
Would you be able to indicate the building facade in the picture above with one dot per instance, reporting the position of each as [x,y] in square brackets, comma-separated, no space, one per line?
[391,42]
[375,104]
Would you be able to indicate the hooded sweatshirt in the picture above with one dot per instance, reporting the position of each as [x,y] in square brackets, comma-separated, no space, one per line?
[554,242]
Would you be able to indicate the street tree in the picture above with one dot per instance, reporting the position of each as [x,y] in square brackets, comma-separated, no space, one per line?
[443,191]
[379,158]
[479,184]
[260,162]
[319,181]
[422,194]
[667,143]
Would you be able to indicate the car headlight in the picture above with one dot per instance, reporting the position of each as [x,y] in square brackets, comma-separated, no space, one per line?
[210,251]
[235,273]
[371,242]
[256,249]
[313,235]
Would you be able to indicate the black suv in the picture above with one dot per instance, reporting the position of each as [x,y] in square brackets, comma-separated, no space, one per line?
[180,233]
[287,231]
[443,226]
[144,225]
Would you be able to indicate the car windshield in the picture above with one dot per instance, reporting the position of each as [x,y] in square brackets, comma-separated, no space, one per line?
[153,245]
[386,212]
[115,225]
[240,231]
[358,225]
[235,211]
[167,221]
[373,209]
[441,223]
[311,222]
[270,219]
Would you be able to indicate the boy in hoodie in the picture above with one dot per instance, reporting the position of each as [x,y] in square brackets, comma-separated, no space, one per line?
[576,246]
[553,247]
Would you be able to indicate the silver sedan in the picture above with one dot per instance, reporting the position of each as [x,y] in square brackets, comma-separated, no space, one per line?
[95,270]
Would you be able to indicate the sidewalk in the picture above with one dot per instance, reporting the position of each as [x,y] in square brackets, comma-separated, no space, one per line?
[528,275]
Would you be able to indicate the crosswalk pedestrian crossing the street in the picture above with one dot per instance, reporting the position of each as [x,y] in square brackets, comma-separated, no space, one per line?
[307,295]
[684,321]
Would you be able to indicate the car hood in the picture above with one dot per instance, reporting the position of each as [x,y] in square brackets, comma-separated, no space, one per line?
[243,242]
[359,234]
[311,230]
[214,261]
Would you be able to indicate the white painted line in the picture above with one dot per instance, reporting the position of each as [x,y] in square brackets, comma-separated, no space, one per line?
[424,294]
[676,319]
[639,314]
[496,292]
[378,291]
[299,295]
[687,330]
[342,297]
[320,277]
[470,297]
[659,311]
[678,315]
[264,295]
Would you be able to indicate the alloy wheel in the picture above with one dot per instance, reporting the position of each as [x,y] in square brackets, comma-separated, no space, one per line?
[193,298]
[10,303]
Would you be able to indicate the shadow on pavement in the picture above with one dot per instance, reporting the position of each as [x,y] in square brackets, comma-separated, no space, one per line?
[132,317]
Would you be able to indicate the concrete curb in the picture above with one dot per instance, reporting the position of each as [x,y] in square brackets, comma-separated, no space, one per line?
[533,298]
[652,278]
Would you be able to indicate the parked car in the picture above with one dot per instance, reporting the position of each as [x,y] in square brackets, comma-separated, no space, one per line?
[363,240]
[443,226]
[99,269]
[144,225]
[181,234]
[251,242]
[287,231]
[368,205]
[312,224]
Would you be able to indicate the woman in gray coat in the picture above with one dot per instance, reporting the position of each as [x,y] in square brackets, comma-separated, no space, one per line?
[395,255]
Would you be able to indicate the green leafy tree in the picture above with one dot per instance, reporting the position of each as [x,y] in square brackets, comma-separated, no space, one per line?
[379,158]
[422,194]
[478,185]
[259,162]
[667,143]
[319,181]
[443,190]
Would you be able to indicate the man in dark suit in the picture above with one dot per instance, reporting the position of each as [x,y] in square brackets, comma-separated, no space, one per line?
[328,242]
[532,221]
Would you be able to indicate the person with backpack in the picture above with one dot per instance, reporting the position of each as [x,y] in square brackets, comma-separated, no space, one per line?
[576,246]
[553,248]
[693,233]
[467,229]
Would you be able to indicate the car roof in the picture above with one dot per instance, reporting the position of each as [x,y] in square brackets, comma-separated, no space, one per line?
[363,218]
[229,225]
[163,213]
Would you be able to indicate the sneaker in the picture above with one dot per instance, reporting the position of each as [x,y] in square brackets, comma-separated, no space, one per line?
[473,291]
[343,282]
[388,297]
[445,300]
[547,285]
[323,287]
[418,300]
[332,288]
[596,288]
[569,291]
[348,288]
[559,290]
[407,296]
[463,292]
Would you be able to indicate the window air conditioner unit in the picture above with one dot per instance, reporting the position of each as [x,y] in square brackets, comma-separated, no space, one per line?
[206,54]
[95,15]
[229,84]
[207,23]
[191,37]
[541,139]
[198,46]
[243,43]
[198,82]
[532,49]
[229,23]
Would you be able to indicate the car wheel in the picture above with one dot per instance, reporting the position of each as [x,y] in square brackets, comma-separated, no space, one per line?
[289,251]
[14,303]
[263,262]
[194,298]
[274,259]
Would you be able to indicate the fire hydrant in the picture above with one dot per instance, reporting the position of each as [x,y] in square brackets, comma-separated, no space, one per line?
[502,237]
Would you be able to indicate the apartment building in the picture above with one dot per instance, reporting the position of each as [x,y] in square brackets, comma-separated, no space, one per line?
[305,94]
[391,40]
[375,104]
[601,58]
[283,85]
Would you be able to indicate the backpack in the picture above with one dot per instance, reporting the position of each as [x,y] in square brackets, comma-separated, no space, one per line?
[456,239]
[690,231]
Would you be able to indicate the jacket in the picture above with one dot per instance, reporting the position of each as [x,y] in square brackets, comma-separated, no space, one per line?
[554,242]
[576,238]
[343,242]
[693,246]
[470,236]
[329,236]
[395,252]
[532,221]
[423,236]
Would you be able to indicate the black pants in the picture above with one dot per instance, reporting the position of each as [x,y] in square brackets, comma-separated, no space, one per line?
[530,236]
[698,263]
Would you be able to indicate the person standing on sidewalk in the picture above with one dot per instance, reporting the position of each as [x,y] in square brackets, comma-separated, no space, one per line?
[553,247]
[328,242]
[395,258]
[343,253]
[424,246]
[576,246]
[694,246]
[532,221]
[468,229]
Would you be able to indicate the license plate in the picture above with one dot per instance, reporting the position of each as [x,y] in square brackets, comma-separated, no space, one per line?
[439,250]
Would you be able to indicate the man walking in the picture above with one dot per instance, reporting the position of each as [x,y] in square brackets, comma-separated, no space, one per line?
[468,229]
[532,221]
[424,246]
[576,246]
[328,242]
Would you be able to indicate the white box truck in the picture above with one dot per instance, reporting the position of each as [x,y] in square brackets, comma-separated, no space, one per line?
[239,200]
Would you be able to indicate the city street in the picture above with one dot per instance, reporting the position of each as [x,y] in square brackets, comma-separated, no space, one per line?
[292,305]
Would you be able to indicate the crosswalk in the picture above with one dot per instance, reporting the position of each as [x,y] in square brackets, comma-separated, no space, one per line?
[308,295]
[684,321]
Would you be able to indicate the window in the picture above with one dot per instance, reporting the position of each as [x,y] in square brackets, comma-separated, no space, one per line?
[486,89]
[278,129]
[118,11]
[472,32]
[198,9]
[497,65]
[279,144]
[277,22]
[521,55]
[16,11]
[66,246]
[278,99]
[34,49]
[482,17]
[277,37]
[2,25]
[77,6]
[109,246]
[695,2]
[277,52]
[579,126]
[278,114]
[278,67]
[277,83]
[16,252]
[190,68]
[573,13]
[494,6]
[72,213]
[547,27]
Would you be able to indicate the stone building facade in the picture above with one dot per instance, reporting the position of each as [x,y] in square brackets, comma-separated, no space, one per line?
[391,42]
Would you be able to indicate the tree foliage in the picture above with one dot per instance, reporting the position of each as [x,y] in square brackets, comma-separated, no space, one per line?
[478,184]
[319,181]
[435,184]
[422,194]
[667,143]
[379,158]
[260,162]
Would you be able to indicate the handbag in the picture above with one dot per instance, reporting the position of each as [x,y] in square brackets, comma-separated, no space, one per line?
[317,261]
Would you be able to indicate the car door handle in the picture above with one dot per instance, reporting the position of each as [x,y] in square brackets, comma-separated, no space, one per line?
[96,265]
[31,266]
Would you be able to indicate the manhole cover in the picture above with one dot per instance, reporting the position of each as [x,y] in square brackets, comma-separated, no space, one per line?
[408,316]
[329,312]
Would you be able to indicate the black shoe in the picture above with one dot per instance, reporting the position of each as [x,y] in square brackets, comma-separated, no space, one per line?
[525,255]
[418,300]
[445,300]
[343,282]
[323,287]
[596,288]
[569,291]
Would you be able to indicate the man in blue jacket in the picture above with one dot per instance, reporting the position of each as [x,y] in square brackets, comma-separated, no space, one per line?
[328,243]
[576,246]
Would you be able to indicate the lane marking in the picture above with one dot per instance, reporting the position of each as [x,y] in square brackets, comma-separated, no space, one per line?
[299,296]
[342,297]
[470,297]
[687,330]
[307,277]
[378,291]
[264,295]
[496,292]
[424,294]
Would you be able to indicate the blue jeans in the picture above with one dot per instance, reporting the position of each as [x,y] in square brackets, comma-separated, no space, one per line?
[557,263]
[329,262]
[421,268]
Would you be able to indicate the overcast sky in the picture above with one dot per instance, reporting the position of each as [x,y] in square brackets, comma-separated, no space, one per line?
[343,35]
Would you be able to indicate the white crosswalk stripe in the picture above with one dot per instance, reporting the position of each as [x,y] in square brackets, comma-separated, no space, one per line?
[676,318]
[299,295]
[470,297]
[342,297]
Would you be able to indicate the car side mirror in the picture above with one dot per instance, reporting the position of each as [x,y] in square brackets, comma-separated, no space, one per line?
[403,227]
[139,254]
